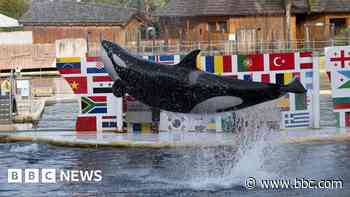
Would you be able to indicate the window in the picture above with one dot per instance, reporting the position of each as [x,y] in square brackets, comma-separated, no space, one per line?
[217,26]
[339,25]
[223,26]
[212,27]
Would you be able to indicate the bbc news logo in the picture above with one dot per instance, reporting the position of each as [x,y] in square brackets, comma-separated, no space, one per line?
[32,176]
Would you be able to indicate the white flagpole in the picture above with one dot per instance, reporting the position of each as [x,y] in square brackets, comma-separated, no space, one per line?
[316,93]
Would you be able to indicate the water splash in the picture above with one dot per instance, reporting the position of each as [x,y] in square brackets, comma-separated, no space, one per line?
[24,149]
[229,166]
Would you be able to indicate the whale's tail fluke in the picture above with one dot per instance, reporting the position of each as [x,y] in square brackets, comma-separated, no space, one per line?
[294,87]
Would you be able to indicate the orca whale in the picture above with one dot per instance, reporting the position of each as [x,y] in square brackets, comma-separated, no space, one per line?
[182,87]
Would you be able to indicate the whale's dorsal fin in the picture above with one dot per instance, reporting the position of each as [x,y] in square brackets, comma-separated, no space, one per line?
[190,60]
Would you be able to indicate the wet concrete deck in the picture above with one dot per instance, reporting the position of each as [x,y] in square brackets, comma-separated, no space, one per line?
[166,139]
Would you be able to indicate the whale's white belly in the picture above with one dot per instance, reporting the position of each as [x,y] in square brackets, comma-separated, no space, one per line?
[216,104]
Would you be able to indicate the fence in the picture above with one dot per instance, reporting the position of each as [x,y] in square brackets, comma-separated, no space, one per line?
[43,55]
[225,47]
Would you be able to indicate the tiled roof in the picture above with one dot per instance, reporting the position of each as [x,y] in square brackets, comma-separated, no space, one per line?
[228,7]
[72,12]
[179,8]
[332,6]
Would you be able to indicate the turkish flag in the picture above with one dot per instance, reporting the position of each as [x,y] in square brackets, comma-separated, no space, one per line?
[282,61]
[78,84]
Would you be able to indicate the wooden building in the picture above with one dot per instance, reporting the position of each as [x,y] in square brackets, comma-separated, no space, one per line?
[251,20]
[59,19]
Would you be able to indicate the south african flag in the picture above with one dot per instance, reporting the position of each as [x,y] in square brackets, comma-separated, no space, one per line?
[94,105]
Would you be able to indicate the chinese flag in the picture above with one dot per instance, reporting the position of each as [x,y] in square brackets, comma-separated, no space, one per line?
[282,61]
[78,84]
[86,124]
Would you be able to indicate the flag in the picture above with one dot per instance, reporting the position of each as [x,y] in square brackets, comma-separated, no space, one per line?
[227,61]
[146,127]
[109,123]
[218,64]
[141,127]
[284,103]
[300,102]
[296,75]
[166,59]
[200,62]
[248,77]
[309,80]
[282,61]
[78,84]
[338,117]
[305,60]
[265,78]
[343,80]
[68,60]
[101,79]
[248,63]
[211,124]
[86,124]
[341,103]
[136,127]
[209,64]
[340,59]
[66,66]
[343,119]
[95,68]
[296,119]
[151,58]
[347,119]
[288,77]
[102,84]
[94,105]
[280,78]
[93,59]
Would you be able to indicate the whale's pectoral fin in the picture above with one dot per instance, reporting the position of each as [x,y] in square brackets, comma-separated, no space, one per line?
[190,60]
[119,88]
[294,87]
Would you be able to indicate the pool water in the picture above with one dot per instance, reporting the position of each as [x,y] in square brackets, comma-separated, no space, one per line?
[199,171]
[177,172]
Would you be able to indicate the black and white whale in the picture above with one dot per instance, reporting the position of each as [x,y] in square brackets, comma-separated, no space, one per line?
[183,88]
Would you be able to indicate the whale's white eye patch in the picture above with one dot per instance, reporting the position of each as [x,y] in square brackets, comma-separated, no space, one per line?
[119,61]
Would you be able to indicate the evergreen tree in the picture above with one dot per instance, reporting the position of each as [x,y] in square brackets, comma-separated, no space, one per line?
[13,8]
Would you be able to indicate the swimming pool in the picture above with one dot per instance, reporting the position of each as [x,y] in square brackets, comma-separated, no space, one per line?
[220,170]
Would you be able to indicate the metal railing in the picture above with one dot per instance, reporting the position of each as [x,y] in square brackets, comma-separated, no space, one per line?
[225,47]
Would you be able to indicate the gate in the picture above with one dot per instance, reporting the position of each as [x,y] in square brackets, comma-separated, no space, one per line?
[5,109]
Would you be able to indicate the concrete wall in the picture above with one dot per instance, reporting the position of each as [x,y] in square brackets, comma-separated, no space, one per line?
[18,37]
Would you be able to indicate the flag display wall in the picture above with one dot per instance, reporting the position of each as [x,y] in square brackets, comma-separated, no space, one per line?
[338,64]
[280,68]
[99,109]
